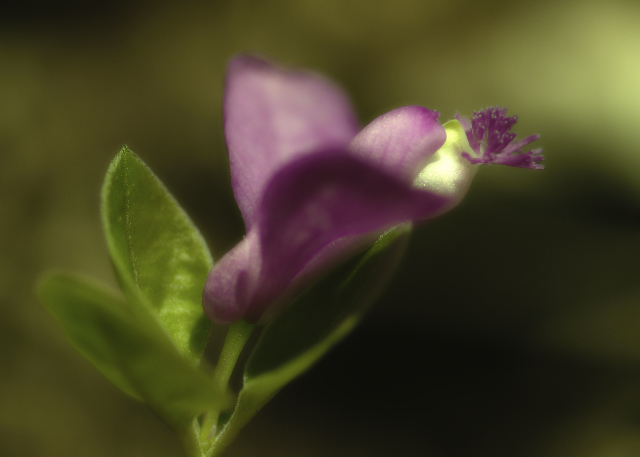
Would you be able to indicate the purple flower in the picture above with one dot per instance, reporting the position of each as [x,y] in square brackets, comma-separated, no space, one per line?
[313,188]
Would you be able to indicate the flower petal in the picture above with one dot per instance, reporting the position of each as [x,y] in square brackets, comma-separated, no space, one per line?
[231,281]
[308,204]
[271,116]
[400,141]
[319,199]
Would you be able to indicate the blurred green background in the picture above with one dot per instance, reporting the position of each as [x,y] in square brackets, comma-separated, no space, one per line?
[516,315]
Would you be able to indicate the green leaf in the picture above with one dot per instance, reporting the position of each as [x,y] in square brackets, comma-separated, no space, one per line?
[103,329]
[316,320]
[160,258]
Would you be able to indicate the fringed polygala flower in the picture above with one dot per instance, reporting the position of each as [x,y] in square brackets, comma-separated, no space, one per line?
[313,188]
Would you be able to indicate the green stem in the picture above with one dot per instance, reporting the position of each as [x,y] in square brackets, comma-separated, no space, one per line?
[190,442]
[237,336]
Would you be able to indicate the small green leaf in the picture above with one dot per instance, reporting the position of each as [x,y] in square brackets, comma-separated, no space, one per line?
[316,320]
[160,258]
[103,329]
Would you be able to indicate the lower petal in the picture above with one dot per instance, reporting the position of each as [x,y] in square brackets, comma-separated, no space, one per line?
[231,282]
[319,199]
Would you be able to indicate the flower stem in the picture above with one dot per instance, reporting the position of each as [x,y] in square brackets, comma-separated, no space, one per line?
[190,442]
[237,336]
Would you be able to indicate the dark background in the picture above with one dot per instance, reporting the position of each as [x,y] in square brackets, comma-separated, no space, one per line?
[511,329]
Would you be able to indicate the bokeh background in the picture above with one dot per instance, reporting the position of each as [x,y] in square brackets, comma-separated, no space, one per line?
[512,328]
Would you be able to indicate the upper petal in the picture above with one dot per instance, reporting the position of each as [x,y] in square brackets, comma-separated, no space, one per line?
[400,141]
[272,115]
